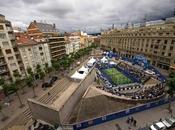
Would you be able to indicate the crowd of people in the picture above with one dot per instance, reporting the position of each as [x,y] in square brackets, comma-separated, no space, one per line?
[150,92]
[132,91]
[37,125]
[136,74]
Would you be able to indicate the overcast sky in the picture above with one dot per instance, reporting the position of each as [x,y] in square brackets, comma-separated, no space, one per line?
[84,14]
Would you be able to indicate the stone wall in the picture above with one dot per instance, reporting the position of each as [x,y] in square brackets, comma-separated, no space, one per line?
[43,112]
[73,100]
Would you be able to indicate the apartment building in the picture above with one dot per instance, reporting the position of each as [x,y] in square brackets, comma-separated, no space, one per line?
[39,30]
[43,32]
[72,44]
[57,47]
[10,60]
[155,41]
[33,53]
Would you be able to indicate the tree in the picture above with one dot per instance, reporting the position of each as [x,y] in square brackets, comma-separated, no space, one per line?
[7,90]
[2,81]
[4,117]
[18,81]
[56,65]
[46,68]
[171,88]
[30,72]
[30,80]
[14,87]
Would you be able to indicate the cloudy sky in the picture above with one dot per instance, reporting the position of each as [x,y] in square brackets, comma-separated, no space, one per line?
[91,15]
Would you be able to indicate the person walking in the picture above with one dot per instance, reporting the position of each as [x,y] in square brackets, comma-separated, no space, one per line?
[134,123]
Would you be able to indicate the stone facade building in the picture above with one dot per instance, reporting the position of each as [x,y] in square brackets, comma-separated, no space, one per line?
[33,53]
[57,47]
[43,32]
[72,44]
[10,59]
[156,42]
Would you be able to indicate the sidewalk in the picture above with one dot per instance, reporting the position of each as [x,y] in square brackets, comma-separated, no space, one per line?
[145,118]
[13,109]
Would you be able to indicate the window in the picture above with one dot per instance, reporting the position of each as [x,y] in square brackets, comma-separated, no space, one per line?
[1,27]
[40,48]
[171,48]
[169,54]
[158,41]
[156,47]
[163,53]
[165,41]
[160,34]
[41,53]
[155,52]
[8,51]
[2,36]
[13,65]
[164,47]
[5,44]
[10,58]
[151,45]
[173,41]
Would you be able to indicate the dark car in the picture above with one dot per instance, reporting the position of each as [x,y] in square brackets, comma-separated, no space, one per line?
[45,85]
[54,78]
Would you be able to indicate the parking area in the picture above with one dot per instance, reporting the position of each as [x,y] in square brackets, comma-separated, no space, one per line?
[145,118]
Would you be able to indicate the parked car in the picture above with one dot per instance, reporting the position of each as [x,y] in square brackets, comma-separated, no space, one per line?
[169,122]
[158,126]
[54,78]
[45,85]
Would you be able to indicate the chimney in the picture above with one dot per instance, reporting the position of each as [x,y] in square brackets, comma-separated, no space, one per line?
[34,21]
[54,26]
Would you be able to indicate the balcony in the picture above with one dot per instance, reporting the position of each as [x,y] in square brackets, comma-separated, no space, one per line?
[12,37]
[9,29]
[1,56]
[2,71]
[2,64]
[58,50]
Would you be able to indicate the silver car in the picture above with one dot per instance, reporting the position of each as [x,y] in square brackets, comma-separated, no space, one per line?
[169,123]
[158,126]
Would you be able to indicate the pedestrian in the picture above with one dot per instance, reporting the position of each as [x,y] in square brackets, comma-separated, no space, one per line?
[134,123]
[128,120]
[48,93]
[132,119]
[160,119]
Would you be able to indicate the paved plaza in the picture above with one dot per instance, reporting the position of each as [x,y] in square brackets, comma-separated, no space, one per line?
[143,119]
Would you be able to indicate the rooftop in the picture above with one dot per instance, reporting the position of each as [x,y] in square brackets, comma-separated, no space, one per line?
[45,27]
[23,39]
[94,104]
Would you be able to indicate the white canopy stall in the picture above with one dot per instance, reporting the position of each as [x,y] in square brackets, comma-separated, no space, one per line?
[104,60]
[91,62]
[84,69]
[78,75]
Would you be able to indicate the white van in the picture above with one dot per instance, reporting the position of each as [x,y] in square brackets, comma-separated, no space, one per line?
[158,126]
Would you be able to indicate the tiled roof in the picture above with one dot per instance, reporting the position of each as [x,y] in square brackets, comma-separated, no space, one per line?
[44,27]
[23,39]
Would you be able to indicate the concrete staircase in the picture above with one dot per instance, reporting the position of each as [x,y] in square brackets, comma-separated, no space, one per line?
[26,115]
